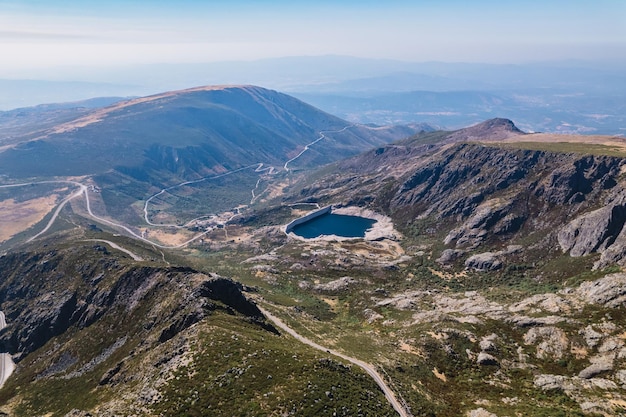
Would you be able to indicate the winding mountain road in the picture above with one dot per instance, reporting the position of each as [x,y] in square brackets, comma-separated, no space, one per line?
[84,190]
[163,191]
[307,147]
[371,371]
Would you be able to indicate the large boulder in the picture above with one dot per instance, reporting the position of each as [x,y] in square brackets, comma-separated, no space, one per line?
[595,369]
[609,291]
[551,341]
[449,256]
[594,231]
[486,359]
[487,261]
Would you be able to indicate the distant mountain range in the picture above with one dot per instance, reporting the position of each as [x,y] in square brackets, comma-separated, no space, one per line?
[566,97]
[549,109]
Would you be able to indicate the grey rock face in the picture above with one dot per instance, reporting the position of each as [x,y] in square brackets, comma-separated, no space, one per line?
[551,341]
[575,182]
[486,359]
[487,343]
[458,181]
[611,345]
[595,369]
[550,382]
[487,261]
[609,291]
[480,412]
[475,229]
[45,313]
[448,256]
[615,253]
[594,231]
[337,285]
[371,316]
[621,376]
[462,182]
[510,223]
[592,337]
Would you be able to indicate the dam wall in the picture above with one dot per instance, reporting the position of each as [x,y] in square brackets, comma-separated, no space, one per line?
[310,216]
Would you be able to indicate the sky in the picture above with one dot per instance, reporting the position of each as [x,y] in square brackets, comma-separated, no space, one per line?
[36,35]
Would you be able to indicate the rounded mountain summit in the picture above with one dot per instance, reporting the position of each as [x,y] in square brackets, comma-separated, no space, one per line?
[189,134]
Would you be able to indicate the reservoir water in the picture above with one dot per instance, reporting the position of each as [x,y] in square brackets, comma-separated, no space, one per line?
[334,224]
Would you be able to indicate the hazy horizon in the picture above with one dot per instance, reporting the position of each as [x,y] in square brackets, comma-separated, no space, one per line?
[44,38]
[554,55]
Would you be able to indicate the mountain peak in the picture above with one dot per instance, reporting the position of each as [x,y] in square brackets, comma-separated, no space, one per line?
[499,123]
[489,130]
[191,134]
[98,114]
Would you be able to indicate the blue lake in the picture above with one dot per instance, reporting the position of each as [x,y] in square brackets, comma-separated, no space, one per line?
[334,224]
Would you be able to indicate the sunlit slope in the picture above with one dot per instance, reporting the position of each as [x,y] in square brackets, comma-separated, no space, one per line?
[188,133]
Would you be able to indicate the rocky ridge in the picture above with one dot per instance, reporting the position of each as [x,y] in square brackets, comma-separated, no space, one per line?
[39,311]
[486,196]
[81,310]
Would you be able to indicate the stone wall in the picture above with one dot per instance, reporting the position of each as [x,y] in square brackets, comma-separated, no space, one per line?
[310,216]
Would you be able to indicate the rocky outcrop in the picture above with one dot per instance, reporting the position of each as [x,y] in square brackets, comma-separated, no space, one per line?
[552,342]
[613,254]
[490,261]
[596,369]
[338,285]
[39,310]
[485,217]
[486,359]
[371,316]
[588,359]
[487,344]
[609,291]
[592,337]
[487,261]
[594,231]
[574,182]
[480,412]
[467,182]
[449,256]
[456,181]
[580,389]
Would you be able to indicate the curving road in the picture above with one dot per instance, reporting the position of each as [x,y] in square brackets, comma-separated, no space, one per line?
[306,148]
[84,190]
[165,190]
[389,394]
[118,247]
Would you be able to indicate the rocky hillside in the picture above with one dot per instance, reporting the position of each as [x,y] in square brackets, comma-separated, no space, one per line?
[497,291]
[95,333]
[505,295]
[481,195]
